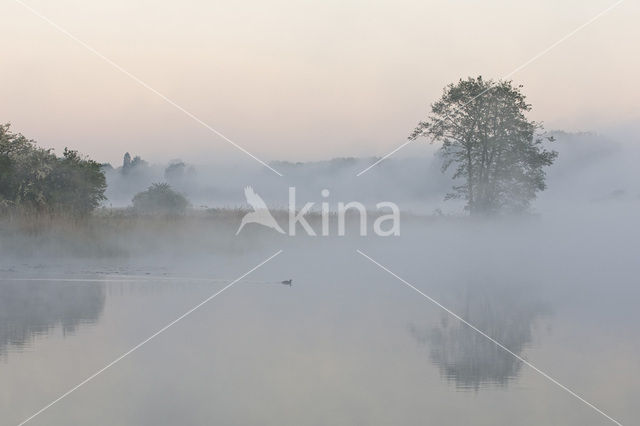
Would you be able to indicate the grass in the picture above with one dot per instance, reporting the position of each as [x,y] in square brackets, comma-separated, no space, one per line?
[121,232]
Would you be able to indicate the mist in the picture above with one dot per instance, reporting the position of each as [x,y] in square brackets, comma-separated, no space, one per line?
[418,213]
[547,285]
[592,169]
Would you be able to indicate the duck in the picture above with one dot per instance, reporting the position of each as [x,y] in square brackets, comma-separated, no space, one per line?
[287,282]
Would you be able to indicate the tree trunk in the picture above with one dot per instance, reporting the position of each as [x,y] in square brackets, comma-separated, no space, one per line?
[470,182]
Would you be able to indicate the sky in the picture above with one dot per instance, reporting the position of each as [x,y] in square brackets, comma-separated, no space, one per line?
[300,80]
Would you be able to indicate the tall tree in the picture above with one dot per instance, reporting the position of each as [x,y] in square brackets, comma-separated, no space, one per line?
[34,179]
[495,149]
[126,162]
[76,184]
[24,169]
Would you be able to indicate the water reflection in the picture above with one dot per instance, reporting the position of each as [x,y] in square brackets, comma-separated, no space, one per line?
[470,360]
[28,309]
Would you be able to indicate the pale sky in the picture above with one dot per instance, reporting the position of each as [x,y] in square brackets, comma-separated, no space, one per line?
[299,80]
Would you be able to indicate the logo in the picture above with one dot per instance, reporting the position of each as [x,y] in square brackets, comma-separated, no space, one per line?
[260,213]
[384,225]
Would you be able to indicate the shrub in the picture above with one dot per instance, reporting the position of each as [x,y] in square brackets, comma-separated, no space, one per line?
[159,198]
[33,179]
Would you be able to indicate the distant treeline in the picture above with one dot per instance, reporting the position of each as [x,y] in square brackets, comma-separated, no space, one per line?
[35,180]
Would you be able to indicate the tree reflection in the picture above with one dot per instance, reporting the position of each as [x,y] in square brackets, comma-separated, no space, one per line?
[28,309]
[470,360]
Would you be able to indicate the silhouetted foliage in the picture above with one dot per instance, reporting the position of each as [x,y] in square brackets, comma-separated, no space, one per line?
[34,179]
[496,150]
[175,170]
[159,198]
[129,165]
[76,183]
[126,161]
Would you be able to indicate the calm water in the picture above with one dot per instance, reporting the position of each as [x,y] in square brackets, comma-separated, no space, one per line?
[346,344]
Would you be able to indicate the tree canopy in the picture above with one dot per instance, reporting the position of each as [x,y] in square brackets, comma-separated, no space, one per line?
[159,198]
[497,152]
[36,180]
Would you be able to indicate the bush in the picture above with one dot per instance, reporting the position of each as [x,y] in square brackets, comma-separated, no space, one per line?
[33,179]
[159,198]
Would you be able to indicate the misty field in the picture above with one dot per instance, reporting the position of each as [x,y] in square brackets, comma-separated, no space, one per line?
[452,311]
[319,213]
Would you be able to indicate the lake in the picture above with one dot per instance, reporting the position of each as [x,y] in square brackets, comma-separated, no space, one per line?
[347,343]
